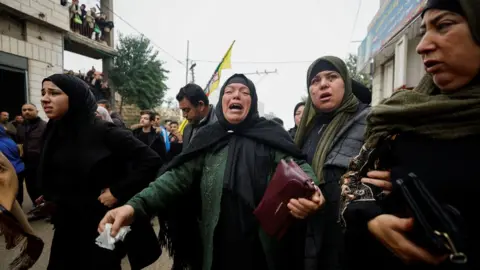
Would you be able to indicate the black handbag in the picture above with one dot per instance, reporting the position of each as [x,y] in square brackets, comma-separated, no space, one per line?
[437,227]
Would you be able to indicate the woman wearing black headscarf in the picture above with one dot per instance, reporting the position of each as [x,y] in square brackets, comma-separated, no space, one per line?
[88,166]
[234,160]
[297,117]
[433,132]
[330,134]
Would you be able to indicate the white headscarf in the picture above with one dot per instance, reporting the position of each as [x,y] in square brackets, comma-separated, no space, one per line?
[104,114]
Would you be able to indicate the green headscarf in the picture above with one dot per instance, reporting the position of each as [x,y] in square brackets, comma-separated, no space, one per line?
[341,115]
[426,110]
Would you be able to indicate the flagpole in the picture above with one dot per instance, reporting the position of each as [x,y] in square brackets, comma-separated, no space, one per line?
[218,67]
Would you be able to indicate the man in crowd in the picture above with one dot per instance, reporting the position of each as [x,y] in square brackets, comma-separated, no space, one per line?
[175,136]
[30,135]
[18,121]
[149,136]
[9,127]
[166,124]
[196,109]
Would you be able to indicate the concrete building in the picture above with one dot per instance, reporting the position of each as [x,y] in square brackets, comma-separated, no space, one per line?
[388,52]
[33,37]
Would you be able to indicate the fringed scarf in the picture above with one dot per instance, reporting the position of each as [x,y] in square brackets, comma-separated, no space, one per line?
[444,116]
[426,110]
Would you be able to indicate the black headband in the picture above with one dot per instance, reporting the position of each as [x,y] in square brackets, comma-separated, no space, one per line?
[322,65]
[449,5]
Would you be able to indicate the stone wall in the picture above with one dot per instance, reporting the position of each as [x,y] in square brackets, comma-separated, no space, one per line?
[49,11]
[43,47]
[130,114]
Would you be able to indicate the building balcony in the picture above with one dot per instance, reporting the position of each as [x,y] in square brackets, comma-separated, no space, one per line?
[90,32]
[79,43]
[79,39]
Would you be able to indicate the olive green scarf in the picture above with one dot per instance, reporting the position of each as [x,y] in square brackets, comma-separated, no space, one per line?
[341,116]
[439,116]
[426,110]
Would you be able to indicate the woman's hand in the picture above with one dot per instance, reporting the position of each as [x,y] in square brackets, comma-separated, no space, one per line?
[301,208]
[118,217]
[380,179]
[390,231]
[8,183]
[107,198]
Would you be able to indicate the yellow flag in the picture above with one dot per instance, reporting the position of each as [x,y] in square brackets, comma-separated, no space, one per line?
[212,85]
[226,63]
[182,126]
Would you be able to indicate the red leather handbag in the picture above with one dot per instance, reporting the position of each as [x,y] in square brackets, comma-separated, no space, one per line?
[288,182]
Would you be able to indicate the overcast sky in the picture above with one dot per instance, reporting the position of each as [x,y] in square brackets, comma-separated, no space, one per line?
[270,34]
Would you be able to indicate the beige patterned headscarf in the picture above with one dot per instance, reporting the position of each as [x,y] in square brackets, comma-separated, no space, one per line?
[14,225]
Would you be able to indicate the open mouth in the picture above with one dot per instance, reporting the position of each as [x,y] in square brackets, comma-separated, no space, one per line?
[431,65]
[325,96]
[235,107]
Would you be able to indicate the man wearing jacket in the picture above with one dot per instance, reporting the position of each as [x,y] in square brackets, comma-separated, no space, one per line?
[30,135]
[148,135]
[196,109]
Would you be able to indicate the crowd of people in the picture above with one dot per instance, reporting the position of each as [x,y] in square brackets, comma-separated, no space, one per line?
[89,23]
[392,183]
[95,80]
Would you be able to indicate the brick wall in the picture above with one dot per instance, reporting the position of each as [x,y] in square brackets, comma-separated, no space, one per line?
[44,49]
[130,114]
[55,13]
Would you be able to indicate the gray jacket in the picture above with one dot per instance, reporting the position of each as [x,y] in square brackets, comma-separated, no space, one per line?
[325,249]
[190,130]
[349,140]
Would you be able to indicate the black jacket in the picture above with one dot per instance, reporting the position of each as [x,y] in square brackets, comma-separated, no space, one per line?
[190,129]
[77,167]
[155,142]
[30,134]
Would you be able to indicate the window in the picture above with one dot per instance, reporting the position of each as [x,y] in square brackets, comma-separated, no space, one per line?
[388,79]
[401,54]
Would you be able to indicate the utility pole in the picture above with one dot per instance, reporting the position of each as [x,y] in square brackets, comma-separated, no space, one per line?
[187,62]
[192,69]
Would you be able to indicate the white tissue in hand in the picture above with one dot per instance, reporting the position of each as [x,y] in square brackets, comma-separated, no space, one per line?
[105,240]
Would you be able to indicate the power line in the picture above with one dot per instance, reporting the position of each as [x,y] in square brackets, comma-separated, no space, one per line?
[151,41]
[265,72]
[359,7]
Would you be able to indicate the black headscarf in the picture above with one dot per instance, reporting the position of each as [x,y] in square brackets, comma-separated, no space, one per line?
[245,140]
[253,127]
[466,8]
[300,104]
[81,112]
[450,5]
[293,130]
[249,155]
[362,92]
[81,102]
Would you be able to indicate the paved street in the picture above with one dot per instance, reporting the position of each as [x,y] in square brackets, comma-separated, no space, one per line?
[44,230]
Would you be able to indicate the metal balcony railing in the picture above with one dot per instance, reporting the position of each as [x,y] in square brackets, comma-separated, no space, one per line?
[96,30]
